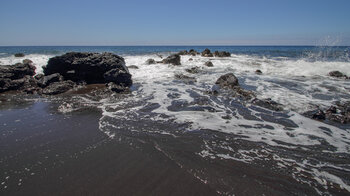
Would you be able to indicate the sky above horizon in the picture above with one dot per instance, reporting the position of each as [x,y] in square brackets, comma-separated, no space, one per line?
[155,22]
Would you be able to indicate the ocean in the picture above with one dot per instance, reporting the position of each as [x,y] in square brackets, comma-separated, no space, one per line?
[223,142]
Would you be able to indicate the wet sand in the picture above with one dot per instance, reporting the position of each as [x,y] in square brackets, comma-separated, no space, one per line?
[46,153]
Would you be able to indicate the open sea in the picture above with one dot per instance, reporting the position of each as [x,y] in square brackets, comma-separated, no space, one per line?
[230,145]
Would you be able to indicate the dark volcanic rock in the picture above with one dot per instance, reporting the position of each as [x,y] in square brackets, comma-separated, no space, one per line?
[222,54]
[190,59]
[258,71]
[90,68]
[19,55]
[337,74]
[207,53]
[58,87]
[209,64]
[227,81]
[16,71]
[193,52]
[150,62]
[173,59]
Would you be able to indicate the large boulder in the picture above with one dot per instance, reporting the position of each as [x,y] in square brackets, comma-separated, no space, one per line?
[91,68]
[173,59]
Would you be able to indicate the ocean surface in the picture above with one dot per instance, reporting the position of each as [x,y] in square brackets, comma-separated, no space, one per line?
[205,128]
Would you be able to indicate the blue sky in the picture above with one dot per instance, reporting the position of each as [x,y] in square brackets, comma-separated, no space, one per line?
[154,22]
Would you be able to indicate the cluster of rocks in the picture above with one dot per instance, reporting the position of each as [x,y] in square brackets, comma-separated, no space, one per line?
[63,73]
[340,113]
[205,53]
[172,59]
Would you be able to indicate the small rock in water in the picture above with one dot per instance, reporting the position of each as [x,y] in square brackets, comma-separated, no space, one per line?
[258,71]
[190,59]
[150,62]
[337,74]
[209,64]
[133,67]
[227,81]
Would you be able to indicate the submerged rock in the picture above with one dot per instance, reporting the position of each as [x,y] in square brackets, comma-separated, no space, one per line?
[173,59]
[268,103]
[209,64]
[90,68]
[150,62]
[19,55]
[193,70]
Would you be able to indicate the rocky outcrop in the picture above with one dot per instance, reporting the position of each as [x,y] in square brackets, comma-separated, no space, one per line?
[150,62]
[207,53]
[222,54]
[62,73]
[338,74]
[209,64]
[173,59]
[19,55]
[16,77]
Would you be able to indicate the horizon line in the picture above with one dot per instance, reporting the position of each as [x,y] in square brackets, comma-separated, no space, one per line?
[173,45]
